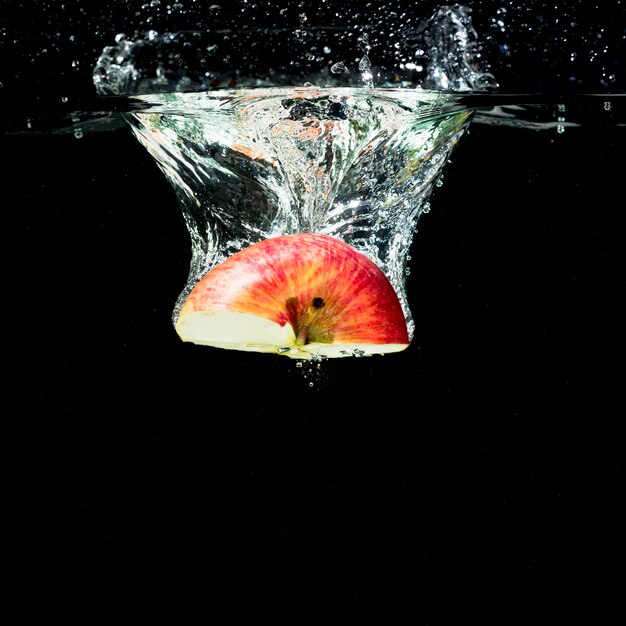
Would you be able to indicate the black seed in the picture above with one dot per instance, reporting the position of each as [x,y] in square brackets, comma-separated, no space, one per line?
[318,303]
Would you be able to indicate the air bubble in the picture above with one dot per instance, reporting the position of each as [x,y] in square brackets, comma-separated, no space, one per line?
[339,68]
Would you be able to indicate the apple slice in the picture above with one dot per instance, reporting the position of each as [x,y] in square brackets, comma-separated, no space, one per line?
[298,295]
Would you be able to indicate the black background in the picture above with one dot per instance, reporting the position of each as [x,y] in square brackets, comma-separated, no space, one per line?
[479,474]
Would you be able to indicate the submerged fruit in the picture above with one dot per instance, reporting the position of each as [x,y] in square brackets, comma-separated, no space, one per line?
[299,295]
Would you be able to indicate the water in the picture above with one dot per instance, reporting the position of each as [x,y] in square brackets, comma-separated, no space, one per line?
[149,477]
[358,164]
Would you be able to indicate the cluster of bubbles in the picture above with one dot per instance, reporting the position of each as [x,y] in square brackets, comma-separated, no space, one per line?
[311,370]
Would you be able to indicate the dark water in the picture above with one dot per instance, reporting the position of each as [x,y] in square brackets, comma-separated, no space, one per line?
[478,475]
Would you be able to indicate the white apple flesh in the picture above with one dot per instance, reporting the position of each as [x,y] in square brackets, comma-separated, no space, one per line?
[297,295]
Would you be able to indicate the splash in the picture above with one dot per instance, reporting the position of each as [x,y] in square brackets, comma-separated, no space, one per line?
[451,52]
[252,164]
[439,53]
[352,152]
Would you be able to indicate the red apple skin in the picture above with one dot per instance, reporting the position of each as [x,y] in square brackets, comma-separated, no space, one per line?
[360,304]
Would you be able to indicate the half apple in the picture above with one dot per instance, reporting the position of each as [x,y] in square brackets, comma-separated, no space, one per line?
[298,295]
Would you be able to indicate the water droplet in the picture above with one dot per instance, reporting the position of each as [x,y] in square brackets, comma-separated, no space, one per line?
[64,99]
[78,133]
[283,350]
[339,68]
[327,50]
[311,384]
[364,67]
[120,37]
[298,363]
[303,18]
[607,106]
